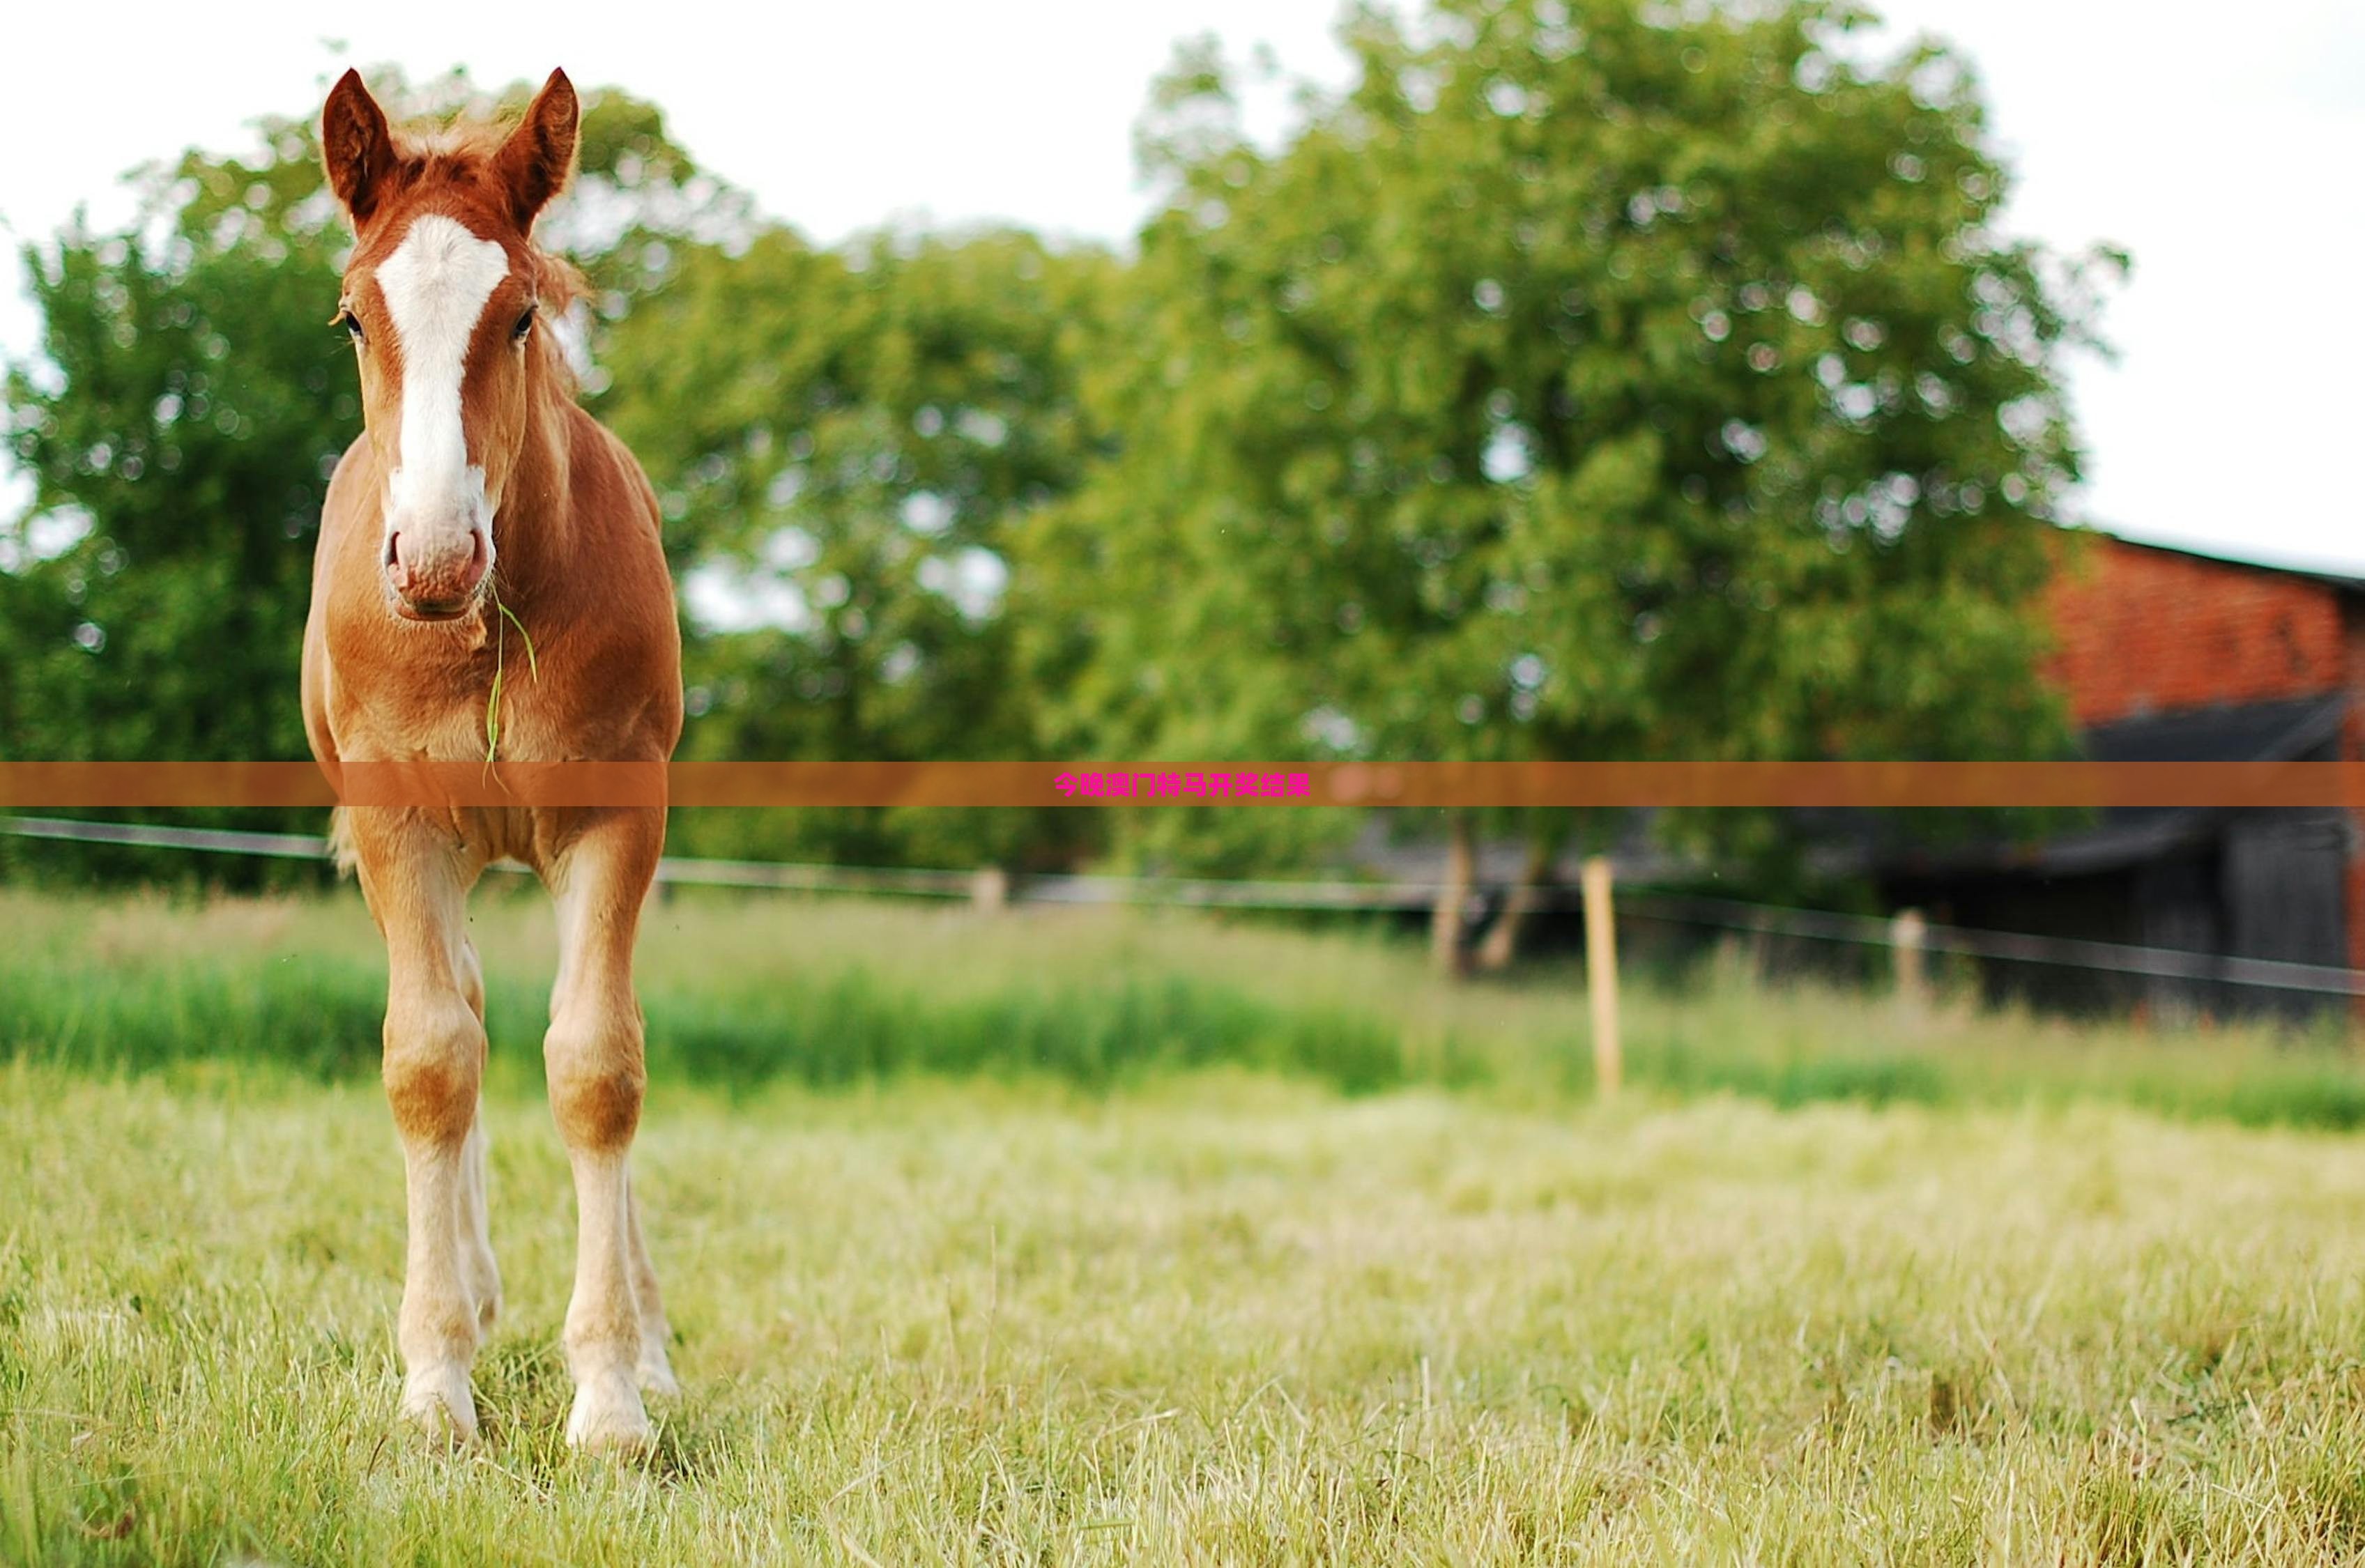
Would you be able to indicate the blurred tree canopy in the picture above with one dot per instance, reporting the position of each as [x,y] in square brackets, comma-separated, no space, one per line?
[1589,379]
[846,442]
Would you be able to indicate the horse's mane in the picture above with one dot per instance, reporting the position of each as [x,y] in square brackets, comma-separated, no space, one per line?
[469,141]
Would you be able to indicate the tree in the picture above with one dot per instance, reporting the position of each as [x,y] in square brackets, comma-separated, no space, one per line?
[845,442]
[1590,379]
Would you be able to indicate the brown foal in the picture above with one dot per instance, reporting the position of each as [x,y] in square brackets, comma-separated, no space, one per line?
[482,514]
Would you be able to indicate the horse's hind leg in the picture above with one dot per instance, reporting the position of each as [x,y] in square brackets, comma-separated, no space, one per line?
[481,1274]
[416,880]
[655,1368]
[594,1063]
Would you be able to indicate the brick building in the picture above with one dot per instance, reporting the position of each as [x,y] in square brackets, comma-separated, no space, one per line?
[2168,656]
[2146,630]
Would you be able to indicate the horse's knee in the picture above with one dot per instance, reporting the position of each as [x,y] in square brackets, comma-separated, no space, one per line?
[433,1067]
[597,1079]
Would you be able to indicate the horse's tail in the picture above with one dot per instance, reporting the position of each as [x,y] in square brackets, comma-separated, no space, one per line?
[340,841]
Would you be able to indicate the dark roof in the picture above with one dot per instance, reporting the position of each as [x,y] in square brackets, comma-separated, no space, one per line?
[2243,731]
[2283,731]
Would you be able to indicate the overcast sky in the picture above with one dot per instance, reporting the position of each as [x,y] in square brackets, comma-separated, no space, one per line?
[2224,157]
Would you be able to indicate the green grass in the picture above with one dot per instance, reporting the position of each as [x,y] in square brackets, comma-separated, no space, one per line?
[742,994]
[1219,1318]
[1073,1238]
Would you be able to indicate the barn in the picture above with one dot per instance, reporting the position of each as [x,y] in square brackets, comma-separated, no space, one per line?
[2169,654]
[2162,654]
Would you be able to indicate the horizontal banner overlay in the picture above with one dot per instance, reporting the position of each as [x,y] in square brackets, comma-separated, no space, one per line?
[1156,786]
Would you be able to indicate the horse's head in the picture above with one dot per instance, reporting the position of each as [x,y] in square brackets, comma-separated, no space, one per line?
[442,298]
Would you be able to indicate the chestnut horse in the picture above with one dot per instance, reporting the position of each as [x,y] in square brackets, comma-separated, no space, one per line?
[484,522]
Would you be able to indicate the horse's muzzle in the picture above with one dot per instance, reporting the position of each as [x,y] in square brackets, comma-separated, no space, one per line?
[436,575]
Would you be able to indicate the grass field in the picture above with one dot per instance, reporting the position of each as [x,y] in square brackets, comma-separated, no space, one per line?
[744,993]
[1171,1242]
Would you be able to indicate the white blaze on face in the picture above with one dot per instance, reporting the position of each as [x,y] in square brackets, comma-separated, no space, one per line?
[436,284]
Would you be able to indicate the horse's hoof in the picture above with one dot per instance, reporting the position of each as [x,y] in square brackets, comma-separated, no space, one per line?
[608,1418]
[656,1374]
[437,1403]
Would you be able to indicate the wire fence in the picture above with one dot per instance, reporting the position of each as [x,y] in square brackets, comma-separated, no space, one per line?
[1714,913]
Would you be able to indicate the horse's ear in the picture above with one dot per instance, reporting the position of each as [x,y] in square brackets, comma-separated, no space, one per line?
[356,149]
[534,162]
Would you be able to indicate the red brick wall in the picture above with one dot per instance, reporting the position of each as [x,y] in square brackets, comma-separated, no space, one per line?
[2145,630]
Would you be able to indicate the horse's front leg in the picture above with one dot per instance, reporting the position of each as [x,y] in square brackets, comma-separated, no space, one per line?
[593,1057]
[416,879]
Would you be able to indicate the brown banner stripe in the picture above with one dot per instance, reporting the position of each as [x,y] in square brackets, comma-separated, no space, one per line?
[1158,786]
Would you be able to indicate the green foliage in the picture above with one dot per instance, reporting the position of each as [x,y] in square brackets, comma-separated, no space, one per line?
[179,437]
[179,431]
[844,443]
[1587,381]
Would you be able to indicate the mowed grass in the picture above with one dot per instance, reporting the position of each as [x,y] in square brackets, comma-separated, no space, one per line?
[1082,1238]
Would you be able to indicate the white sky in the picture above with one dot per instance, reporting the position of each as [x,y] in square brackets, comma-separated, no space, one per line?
[2224,158]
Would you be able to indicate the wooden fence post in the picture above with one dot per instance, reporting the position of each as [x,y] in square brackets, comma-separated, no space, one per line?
[989,889]
[1601,977]
[1450,913]
[1909,940]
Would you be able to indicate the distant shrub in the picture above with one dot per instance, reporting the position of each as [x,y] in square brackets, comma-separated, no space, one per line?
[322,1017]
[858,1009]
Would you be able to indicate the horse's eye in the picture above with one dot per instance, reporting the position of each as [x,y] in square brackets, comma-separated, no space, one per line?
[351,323]
[524,325]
